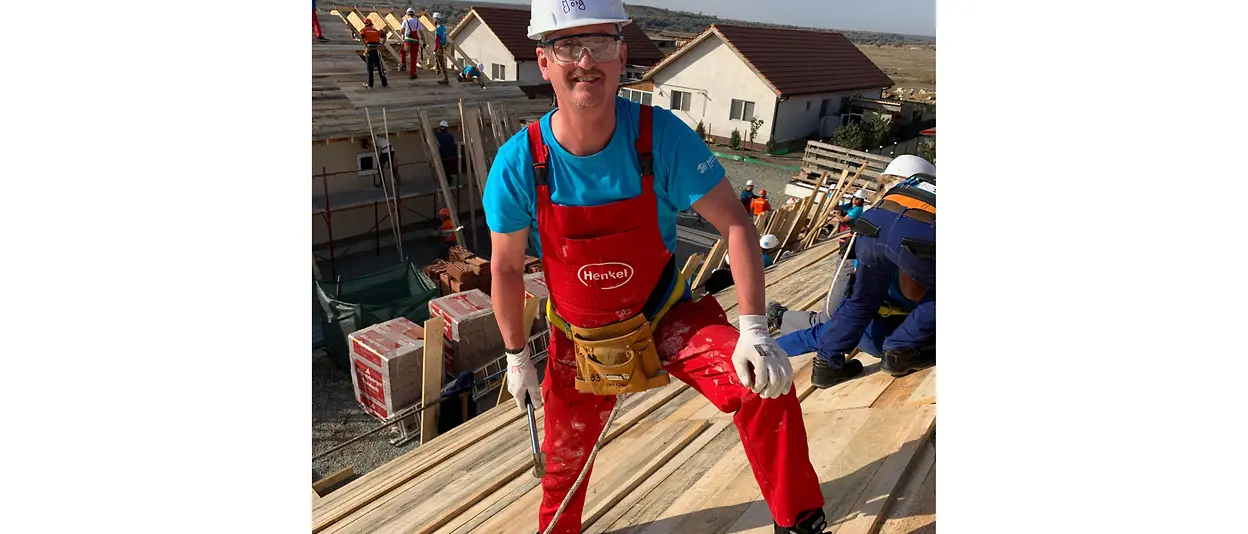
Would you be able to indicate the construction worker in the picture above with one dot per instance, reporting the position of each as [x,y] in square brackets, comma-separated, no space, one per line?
[447,149]
[747,195]
[760,205]
[448,232]
[387,161]
[411,43]
[597,184]
[472,73]
[771,250]
[372,47]
[316,25]
[890,308]
[439,48]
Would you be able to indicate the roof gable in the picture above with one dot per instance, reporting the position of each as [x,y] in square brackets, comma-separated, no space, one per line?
[511,26]
[794,62]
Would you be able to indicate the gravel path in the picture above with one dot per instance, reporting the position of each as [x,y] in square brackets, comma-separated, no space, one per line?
[337,417]
[769,178]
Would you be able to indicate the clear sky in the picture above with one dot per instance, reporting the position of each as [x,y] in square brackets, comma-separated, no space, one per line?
[915,17]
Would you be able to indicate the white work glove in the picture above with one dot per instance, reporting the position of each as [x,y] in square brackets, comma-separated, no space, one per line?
[522,378]
[772,374]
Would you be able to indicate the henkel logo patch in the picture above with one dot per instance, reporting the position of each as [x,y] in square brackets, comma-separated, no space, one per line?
[609,275]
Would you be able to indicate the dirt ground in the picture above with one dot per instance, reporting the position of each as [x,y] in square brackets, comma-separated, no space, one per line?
[907,66]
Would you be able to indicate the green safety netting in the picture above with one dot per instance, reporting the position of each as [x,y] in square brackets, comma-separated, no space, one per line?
[350,305]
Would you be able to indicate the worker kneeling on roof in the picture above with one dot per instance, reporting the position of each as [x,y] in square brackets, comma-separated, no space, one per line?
[597,184]
[889,307]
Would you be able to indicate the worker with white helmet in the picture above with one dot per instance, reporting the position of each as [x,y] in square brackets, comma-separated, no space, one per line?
[747,194]
[439,48]
[448,150]
[411,43]
[596,186]
[472,73]
[887,308]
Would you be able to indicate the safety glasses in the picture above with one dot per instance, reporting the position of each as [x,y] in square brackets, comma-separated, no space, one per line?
[600,46]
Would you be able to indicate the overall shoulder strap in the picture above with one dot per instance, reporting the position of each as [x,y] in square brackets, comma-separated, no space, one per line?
[645,157]
[539,152]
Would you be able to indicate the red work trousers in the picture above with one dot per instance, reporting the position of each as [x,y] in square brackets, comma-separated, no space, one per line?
[409,49]
[316,25]
[695,342]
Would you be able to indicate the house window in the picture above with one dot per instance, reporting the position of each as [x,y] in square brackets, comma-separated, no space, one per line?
[680,100]
[498,72]
[634,95]
[852,115]
[741,110]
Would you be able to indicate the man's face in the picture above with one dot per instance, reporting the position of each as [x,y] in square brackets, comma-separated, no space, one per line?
[586,82]
[749,188]
[857,201]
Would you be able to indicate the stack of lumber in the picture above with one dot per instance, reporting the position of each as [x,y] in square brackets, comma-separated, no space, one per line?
[465,272]
[671,462]
[820,158]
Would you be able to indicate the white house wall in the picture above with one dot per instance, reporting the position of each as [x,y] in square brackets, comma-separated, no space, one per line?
[482,45]
[715,75]
[795,121]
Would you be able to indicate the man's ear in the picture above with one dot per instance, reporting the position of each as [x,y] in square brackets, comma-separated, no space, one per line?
[623,55]
[543,62]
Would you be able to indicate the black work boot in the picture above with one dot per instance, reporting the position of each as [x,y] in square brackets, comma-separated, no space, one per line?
[808,522]
[904,362]
[825,376]
[775,314]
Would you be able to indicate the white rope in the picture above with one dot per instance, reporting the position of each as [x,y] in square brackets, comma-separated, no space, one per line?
[827,301]
[585,469]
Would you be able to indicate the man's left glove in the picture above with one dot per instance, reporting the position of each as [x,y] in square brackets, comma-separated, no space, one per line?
[772,374]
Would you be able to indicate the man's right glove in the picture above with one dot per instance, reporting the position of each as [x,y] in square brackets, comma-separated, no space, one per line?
[522,378]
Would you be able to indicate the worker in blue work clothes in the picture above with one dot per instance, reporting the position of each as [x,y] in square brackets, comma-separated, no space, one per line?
[890,309]
[747,195]
[447,150]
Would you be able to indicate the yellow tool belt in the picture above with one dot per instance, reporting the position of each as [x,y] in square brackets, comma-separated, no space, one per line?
[619,357]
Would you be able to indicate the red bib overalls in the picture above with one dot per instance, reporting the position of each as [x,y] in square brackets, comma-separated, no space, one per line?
[602,265]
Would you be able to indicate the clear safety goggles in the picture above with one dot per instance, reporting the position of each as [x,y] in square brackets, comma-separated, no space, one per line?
[601,47]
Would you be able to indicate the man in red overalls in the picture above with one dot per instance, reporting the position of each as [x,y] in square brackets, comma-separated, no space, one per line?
[595,186]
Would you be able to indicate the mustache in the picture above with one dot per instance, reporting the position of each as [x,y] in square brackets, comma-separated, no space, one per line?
[592,72]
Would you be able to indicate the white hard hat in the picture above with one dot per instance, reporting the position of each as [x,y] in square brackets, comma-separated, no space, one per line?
[437,15]
[444,124]
[907,165]
[861,193]
[411,11]
[749,183]
[769,241]
[552,15]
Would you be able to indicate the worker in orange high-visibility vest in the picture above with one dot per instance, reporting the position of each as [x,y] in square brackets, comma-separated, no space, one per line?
[372,49]
[760,204]
[448,233]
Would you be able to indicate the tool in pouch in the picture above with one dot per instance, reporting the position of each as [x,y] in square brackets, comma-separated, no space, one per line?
[539,459]
[620,357]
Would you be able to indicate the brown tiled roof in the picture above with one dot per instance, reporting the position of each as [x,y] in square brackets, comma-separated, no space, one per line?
[799,62]
[512,28]
[641,50]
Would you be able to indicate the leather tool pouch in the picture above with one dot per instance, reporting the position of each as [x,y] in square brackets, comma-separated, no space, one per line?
[617,358]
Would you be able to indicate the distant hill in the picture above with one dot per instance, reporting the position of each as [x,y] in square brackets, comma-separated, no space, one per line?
[655,19]
[658,19]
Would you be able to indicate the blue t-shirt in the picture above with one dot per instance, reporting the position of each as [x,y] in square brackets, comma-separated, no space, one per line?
[684,170]
[441,33]
[853,213]
[747,195]
[767,261]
